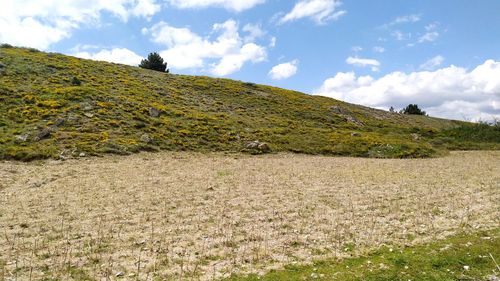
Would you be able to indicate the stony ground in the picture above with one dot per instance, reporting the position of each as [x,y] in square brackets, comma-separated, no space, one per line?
[204,216]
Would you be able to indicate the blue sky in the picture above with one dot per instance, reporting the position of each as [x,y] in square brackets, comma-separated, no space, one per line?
[443,55]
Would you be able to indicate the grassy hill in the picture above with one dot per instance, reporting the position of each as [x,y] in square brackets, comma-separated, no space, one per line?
[53,105]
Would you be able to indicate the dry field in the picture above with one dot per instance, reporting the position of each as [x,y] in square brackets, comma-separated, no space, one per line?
[203,216]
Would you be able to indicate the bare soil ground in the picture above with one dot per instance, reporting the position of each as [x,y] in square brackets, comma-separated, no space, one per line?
[205,216]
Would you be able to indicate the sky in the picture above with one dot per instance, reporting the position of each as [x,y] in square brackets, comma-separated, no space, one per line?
[442,55]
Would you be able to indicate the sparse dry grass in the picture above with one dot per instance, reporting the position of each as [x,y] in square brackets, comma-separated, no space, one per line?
[200,216]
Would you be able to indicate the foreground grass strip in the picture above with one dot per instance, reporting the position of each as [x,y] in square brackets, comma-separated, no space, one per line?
[462,257]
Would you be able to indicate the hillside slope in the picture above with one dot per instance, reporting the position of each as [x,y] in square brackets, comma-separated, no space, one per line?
[59,106]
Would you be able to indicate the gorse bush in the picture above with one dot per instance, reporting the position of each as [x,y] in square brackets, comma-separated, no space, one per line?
[75,81]
[154,62]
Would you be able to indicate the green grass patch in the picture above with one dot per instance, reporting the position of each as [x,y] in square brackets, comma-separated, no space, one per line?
[461,257]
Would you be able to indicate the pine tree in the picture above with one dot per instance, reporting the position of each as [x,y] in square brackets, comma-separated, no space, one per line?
[413,109]
[154,62]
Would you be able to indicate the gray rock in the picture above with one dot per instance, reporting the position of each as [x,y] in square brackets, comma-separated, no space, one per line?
[43,134]
[353,120]
[492,278]
[146,138]
[119,274]
[258,146]
[60,122]
[338,110]
[252,145]
[264,147]
[415,137]
[22,138]
[85,106]
[153,112]
[88,114]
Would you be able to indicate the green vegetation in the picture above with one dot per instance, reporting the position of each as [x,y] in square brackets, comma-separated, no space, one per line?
[471,136]
[462,257]
[154,62]
[413,109]
[58,106]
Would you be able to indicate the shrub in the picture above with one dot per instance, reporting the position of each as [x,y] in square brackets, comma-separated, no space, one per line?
[6,46]
[75,81]
[154,62]
[475,132]
[413,109]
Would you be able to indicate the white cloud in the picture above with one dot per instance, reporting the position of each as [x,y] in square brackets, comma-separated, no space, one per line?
[254,32]
[170,36]
[284,70]
[117,55]
[450,92]
[375,64]
[40,23]
[145,8]
[400,36]
[357,49]
[223,55]
[429,37]
[432,26]
[233,62]
[234,5]
[378,49]
[432,63]
[404,19]
[320,11]
[272,44]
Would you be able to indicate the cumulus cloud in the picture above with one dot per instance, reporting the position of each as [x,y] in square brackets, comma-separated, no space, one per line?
[223,55]
[374,64]
[117,55]
[233,62]
[40,23]
[378,49]
[145,8]
[432,63]
[284,70]
[233,5]
[320,11]
[450,92]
